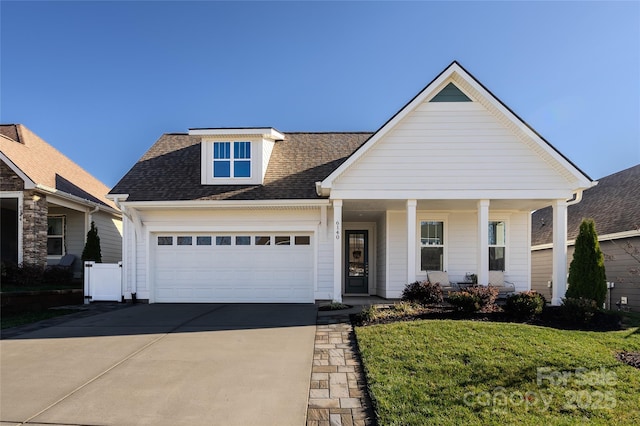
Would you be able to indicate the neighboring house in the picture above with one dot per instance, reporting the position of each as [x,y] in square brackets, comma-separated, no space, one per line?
[256,215]
[614,205]
[48,204]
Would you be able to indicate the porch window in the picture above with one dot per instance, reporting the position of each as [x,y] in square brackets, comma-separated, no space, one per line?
[55,236]
[497,245]
[431,246]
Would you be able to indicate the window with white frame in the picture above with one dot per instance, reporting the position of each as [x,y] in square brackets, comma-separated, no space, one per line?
[497,245]
[55,235]
[432,245]
[232,160]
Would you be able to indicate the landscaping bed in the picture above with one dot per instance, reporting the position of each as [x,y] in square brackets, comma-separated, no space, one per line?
[17,302]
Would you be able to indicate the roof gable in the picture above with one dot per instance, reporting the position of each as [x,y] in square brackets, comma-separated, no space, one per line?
[39,163]
[456,79]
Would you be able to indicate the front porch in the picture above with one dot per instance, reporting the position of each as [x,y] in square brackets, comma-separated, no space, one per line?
[381,245]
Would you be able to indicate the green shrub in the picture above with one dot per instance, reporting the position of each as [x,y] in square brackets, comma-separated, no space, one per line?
[578,310]
[91,249]
[465,301]
[422,292]
[524,305]
[56,275]
[587,277]
[474,298]
[22,275]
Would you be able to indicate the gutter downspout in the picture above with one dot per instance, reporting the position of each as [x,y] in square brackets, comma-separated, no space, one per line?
[137,229]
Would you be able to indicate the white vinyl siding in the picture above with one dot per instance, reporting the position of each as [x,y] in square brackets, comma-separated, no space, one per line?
[450,146]
[397,253]
[463,243]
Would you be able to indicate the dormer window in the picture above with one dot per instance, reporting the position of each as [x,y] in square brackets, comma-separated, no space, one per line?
[234,163]
[235,156]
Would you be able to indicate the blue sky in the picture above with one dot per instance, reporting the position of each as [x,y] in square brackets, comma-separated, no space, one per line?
[101,81]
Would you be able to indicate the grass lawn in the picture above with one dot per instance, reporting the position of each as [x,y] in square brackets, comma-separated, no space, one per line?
[452,372]
[31,317]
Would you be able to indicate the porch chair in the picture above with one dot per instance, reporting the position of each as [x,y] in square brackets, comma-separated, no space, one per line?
[442,278]
[505,288]
[65,262]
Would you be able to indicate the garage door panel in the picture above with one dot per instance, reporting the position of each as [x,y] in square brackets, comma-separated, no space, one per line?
[233,273]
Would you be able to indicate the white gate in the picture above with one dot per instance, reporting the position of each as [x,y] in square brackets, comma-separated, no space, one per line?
[102,282]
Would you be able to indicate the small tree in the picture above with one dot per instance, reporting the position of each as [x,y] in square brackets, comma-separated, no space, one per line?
[92,247]
[587,277]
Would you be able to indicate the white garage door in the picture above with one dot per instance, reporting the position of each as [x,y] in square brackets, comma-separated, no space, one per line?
[233,268]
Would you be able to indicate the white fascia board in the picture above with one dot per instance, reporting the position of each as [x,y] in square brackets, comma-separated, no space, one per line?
[74,202]
[265,132]
[28,183]
[231,204]
[601,238]
[495,194]
[118,197]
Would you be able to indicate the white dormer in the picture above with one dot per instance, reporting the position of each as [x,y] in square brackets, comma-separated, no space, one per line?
[235,156]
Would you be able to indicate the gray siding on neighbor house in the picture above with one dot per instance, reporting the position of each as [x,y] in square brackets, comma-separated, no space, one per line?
[622,270]
[541,267]
[110,233]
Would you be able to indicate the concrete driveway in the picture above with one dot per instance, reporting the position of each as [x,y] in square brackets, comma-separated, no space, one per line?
[174,364]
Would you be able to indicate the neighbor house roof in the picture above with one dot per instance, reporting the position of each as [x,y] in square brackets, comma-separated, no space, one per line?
[46,166]
[170,169]
[614,205]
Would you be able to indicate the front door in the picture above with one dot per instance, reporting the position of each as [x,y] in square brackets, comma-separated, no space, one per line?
[357,262]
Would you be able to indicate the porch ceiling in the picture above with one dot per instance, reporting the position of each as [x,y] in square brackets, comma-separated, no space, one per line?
[368,210]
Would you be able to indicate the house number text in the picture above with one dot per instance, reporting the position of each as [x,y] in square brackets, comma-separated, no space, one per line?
[337,229]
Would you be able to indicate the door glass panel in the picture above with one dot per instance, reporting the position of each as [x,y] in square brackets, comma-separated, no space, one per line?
[356,255]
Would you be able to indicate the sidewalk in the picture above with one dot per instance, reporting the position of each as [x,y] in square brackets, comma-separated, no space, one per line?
[337,394]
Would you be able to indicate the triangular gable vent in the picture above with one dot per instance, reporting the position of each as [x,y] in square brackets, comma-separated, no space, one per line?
[450,93]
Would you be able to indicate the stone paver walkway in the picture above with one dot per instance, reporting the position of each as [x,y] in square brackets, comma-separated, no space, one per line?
[337,394]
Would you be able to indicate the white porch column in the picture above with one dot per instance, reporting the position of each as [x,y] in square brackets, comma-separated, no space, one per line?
[411,240]
[337,251]
[483,242]
[559,277]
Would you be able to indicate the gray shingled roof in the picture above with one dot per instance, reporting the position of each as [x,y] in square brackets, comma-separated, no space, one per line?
[614,205]
[170,169]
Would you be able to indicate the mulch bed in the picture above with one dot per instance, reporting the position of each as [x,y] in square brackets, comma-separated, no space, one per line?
[631,358]
[550,317]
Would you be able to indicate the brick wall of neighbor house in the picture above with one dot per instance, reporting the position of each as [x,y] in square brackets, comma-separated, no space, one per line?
[622,269]
[34,234]
[9,181]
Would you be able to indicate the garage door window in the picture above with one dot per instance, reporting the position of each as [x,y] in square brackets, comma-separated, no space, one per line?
[203,241]
[302,240]
[223,241]
[243,241]
[185,241]
[263,241]
[165,241]
[283,241]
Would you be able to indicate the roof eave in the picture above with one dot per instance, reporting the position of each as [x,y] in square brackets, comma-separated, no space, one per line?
[28,182]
